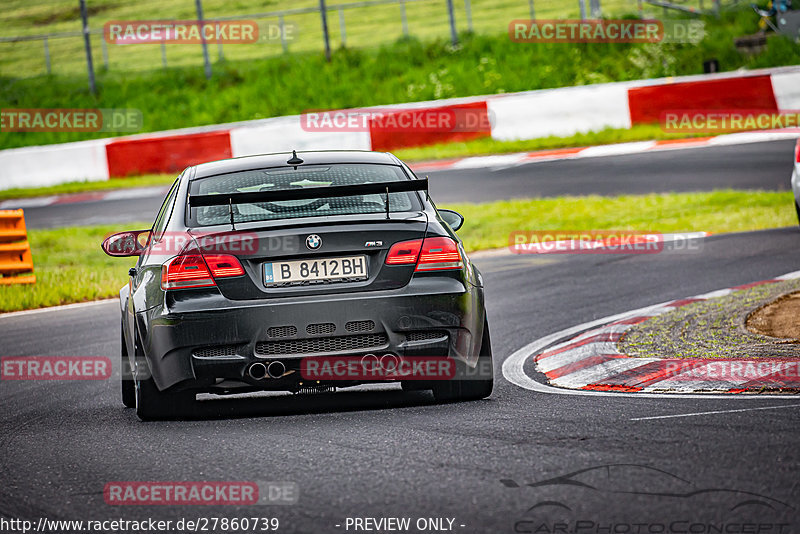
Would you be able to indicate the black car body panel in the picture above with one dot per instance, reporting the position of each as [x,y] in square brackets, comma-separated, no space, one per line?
[205,338]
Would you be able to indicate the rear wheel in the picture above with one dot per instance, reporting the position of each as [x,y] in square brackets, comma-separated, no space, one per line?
[797,208]
[476,387]
[126,377]
[152,403]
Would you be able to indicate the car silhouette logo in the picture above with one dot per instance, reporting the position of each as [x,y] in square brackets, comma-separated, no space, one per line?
[313,242]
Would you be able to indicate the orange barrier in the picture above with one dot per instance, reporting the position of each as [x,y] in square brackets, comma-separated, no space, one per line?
[16,262]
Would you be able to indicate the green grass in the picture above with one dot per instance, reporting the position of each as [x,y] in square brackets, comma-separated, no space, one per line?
[401,71]
[84,187]
[365,27]
[70,267]
[489,225]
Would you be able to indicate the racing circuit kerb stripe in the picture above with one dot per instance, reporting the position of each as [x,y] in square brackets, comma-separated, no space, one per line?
[591,361]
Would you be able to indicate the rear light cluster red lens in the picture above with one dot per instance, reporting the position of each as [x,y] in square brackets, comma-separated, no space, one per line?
[195,270]
[429,254]
[797,151]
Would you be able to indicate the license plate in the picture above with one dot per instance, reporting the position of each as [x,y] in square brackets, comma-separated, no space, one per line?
[282,272]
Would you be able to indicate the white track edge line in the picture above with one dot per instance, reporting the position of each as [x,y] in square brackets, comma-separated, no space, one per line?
[77,305]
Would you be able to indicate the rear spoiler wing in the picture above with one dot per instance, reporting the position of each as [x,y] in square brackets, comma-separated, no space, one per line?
[225,199]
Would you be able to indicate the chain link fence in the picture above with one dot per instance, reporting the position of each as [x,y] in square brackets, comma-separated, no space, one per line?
[25,50]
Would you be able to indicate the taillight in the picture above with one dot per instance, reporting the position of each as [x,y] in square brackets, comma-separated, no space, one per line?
[429,254]
[223,265]
[797,151]
[439,253]
[404,253]
[194,270]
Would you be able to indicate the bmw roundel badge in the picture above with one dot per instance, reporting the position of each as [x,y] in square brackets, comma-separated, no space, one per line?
[313,242]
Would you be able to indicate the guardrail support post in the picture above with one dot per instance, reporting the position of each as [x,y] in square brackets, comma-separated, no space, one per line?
[403,17]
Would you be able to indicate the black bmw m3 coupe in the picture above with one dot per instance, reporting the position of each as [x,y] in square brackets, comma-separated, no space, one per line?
[299,272]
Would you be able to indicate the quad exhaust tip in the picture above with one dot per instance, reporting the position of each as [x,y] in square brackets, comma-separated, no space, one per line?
[257,371]
[276,369]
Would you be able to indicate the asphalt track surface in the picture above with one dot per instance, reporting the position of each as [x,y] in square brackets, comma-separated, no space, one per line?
[385,453]
[765,165]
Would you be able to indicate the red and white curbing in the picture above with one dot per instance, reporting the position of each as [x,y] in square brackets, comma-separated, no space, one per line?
[526,115]
[590,361]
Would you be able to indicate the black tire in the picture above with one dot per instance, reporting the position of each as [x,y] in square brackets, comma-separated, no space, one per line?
[797,209]
[126,376]
[475,387]
[414,385]
[153,404]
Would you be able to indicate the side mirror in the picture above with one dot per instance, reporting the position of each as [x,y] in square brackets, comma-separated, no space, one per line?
[453,219]
[126,244]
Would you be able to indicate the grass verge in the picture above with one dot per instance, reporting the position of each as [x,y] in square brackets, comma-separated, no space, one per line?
[70,267]
[488,225]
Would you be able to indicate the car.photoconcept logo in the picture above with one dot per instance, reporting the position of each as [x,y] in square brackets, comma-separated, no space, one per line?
[313,242]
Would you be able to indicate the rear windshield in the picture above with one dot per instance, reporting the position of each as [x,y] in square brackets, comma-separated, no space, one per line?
[306,176]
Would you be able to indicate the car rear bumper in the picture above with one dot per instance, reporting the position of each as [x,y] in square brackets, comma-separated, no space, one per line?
[210,343]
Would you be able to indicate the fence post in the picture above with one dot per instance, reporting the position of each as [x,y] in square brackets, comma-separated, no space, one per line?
[403,17]
[324,14]
[104,46]
[583,9]
[47,55]
[452,16]
[342,29]
[533,12]
[468,9]
[207,62]
[595,10]
[283,34]
[87,43]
